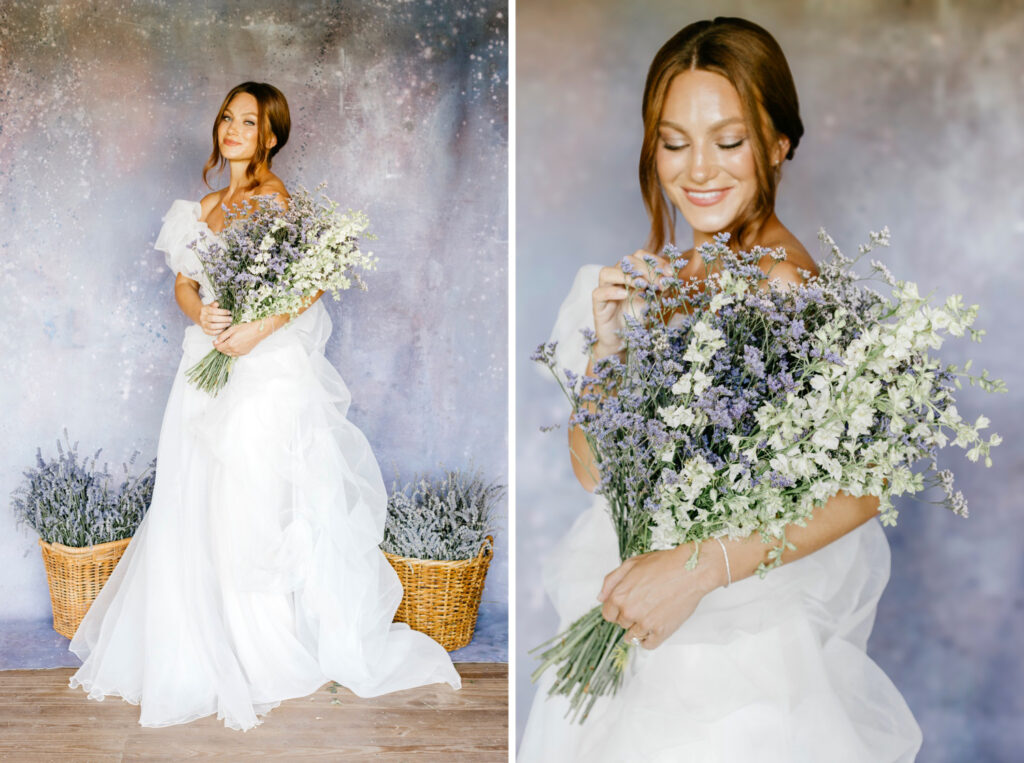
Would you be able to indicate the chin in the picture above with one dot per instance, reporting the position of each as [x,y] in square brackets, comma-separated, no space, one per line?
[710,224]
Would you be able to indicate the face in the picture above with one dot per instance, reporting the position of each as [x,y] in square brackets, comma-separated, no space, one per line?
[237,132]
[705,160]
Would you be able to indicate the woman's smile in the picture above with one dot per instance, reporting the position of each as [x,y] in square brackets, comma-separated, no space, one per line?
[706,198]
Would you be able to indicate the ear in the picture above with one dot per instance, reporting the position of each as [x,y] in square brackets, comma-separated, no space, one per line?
[780,150]
[273,141]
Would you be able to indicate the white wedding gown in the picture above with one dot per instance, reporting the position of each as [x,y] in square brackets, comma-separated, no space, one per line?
[770,670]
[256,574]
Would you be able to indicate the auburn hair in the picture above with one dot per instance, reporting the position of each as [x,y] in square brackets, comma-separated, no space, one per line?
[750,58]
[274,120]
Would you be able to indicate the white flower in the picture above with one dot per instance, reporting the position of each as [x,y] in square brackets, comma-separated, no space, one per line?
[719,301]
[682,386]
[679,416]
[860,421]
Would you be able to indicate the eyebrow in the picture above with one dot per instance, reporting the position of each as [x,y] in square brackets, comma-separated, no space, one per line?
[243,114]
[717,125]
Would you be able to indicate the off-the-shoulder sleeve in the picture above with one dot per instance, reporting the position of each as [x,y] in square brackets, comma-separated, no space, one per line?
[181,227]
[575,314]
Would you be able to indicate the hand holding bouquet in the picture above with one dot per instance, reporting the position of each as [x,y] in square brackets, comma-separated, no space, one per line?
[740,409]
[269,260]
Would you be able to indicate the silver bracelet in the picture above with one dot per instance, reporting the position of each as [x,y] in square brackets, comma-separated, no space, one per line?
[728,572]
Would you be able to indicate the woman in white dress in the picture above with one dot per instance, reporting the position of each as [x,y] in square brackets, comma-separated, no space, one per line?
[732,667]
[256,574]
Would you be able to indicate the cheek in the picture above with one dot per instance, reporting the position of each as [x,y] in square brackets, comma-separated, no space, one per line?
[740,164]
[668,165]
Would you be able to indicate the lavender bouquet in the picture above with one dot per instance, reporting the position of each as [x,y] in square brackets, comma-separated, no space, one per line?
[740,409]
[270,260]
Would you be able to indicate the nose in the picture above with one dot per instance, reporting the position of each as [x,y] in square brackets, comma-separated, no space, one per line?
[702,164]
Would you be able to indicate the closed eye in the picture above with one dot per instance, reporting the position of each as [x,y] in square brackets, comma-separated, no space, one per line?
[727,146]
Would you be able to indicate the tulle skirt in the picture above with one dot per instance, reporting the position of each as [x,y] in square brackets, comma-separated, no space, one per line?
[773,670]
[256,574]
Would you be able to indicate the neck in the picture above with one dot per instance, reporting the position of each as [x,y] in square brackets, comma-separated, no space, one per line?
[239,181]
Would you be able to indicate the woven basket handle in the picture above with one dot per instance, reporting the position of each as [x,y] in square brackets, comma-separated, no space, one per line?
[487,547]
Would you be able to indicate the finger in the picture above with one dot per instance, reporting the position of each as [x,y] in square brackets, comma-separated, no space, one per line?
[637,631]
[655,273]
[612,579]
[612,275]
[611,293]
[610,612]
[224,336]
[653,641]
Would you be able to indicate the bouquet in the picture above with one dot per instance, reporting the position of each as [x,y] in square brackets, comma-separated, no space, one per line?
[740,409]
[271,260]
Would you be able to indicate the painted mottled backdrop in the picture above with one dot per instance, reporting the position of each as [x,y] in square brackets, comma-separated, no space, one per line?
[913,115]
[105,117]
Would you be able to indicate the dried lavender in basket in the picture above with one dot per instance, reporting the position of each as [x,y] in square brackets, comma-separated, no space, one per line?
[443,518]
[76,503]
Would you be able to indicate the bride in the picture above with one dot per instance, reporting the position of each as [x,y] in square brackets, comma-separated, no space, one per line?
[255,576]
[733,668]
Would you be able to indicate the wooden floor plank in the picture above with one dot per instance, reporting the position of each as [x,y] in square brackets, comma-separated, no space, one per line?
[41,719]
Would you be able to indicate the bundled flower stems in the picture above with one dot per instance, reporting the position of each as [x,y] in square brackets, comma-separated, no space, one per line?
[742,406]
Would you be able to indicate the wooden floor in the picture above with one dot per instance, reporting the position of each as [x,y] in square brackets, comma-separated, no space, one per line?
[41,719]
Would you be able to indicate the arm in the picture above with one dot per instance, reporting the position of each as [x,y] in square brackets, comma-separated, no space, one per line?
[653,594]
[609,303]
[582,458]
[210,318]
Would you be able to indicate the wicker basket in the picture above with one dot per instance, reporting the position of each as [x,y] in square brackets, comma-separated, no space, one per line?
[442,597]
[76,575]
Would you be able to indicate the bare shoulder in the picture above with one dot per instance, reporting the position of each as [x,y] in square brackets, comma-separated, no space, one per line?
[271,186]
[210,202]
[797,258]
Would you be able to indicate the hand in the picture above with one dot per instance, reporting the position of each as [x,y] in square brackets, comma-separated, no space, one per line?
[611,300]
[213,320]
[652,594]
[242,337]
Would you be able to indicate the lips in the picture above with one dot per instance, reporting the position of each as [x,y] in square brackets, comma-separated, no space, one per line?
[229,142]
[706,198]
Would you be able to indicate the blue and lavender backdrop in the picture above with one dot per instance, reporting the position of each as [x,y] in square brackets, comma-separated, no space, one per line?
[105,116]
[912,115]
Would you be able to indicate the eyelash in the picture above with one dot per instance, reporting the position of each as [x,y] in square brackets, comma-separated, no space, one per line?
[727,147]
[247,121]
